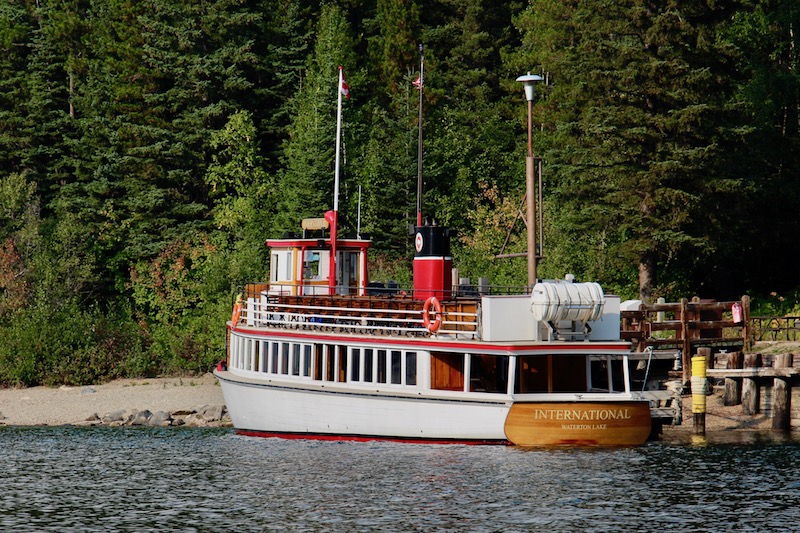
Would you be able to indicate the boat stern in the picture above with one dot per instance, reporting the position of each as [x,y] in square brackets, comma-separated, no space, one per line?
[602,423]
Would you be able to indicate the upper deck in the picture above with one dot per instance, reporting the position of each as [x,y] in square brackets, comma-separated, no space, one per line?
[490,318]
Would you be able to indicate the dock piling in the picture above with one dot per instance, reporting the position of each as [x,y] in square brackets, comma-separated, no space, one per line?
[699,383]
[750,390]
[733,386]
[781,396]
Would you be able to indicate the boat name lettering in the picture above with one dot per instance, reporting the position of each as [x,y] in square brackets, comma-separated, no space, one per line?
[584,426]
[581,414]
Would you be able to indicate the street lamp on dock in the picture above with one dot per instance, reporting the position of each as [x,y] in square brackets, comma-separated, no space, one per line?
[530,81]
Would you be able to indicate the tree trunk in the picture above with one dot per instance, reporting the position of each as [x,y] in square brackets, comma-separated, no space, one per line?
[647,276]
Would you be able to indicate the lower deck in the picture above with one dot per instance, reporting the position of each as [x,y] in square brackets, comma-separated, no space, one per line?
[402,366]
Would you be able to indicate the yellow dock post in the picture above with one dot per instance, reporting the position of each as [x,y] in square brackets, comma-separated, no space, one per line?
[699,381]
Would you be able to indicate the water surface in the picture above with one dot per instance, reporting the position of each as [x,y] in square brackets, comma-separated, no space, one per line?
[190,479]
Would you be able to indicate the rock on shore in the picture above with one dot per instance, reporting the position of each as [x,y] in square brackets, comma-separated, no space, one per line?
[201,416]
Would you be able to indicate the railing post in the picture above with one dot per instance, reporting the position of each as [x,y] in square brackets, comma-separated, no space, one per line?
[746,325]
[687,345]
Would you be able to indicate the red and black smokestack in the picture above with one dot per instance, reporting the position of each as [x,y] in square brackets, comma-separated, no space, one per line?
[433,264]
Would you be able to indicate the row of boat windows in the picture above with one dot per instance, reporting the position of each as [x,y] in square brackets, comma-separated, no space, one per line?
[327,362]
[448,371]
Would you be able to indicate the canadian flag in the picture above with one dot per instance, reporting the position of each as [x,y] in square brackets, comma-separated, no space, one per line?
[343,87]
[418,82]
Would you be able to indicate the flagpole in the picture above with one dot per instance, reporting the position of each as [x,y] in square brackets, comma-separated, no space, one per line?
[419,142]
[334,218]
[338,141]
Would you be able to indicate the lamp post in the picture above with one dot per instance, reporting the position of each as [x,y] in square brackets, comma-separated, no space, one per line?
[530,80]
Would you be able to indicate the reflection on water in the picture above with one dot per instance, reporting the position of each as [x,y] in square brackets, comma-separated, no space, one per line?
[132,479]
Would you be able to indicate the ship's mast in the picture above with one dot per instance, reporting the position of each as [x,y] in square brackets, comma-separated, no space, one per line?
[419,142]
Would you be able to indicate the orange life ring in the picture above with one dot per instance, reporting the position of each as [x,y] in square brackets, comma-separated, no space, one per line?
[237,313]
[434,326]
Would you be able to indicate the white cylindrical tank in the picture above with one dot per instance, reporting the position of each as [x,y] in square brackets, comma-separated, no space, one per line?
[554,301]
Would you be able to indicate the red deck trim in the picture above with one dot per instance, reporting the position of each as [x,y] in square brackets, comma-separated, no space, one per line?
[364,438]
[565,346]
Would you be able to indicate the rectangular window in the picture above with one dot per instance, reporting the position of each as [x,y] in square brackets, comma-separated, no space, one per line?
[306,360]
[532,374]
[355,364]
[369,355]
[274,356]
[341,375]
[488,373]
[284,358]
[295,359]
[273,268]
[397,371]
[319,359]
[382,366]
[411,368]
[330,362]
[248,354]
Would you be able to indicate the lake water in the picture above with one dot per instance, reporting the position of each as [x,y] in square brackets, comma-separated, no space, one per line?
[176,479]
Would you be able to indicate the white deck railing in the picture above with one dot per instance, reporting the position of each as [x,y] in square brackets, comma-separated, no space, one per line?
[269,311]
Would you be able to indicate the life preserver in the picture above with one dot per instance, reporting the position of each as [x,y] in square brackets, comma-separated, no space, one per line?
[434,326]
[237,313]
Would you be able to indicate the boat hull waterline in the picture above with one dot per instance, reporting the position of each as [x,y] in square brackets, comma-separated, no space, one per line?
[290,412]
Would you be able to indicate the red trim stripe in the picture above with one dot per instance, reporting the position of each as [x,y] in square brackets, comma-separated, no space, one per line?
[582,347]
[364,438]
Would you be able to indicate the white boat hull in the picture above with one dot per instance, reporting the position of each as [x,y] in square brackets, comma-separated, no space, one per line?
[281,410]
[274,409]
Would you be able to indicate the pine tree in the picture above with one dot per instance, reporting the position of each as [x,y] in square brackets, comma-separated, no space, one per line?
[306,184]
[639,117]
[16,27]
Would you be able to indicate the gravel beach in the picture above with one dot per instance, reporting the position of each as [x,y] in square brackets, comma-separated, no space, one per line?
[48,406]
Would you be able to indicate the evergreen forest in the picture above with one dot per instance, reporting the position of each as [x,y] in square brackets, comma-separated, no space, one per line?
[149,147]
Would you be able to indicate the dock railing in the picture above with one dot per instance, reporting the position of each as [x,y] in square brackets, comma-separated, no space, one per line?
[775,328]
[688,325]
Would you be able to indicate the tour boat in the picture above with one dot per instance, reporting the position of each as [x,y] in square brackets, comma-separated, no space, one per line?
[319,352]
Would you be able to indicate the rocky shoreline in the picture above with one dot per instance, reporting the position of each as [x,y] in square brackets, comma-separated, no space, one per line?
[203,416]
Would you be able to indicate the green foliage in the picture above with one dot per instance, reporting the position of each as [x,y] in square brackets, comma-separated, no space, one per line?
[638,127]
[148,148]
[61,343]
[307,183]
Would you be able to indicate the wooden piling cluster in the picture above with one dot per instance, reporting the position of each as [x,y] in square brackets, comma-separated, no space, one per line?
[761,384]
